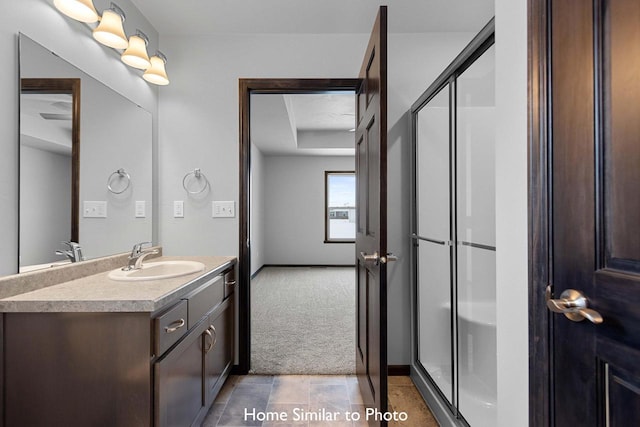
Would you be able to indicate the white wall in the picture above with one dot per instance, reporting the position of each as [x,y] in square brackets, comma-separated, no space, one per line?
[257,213]
[199,128]
[511,212]
[45,205]
[72,41]
[294,211]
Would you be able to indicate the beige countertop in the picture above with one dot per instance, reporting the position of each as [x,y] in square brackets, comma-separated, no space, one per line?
[98,293]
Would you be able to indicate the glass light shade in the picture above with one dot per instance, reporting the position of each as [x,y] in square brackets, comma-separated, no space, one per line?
[110,32]
[80,10]
[156,74]
[136,54]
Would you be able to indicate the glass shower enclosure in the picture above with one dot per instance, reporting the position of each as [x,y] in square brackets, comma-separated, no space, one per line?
[453,234]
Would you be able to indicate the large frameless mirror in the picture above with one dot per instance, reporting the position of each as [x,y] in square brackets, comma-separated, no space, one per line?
[85,163]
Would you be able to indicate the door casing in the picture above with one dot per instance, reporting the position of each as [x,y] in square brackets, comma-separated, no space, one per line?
[247,87]
[540,392]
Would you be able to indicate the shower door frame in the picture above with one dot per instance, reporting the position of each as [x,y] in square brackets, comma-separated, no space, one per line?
[445,413]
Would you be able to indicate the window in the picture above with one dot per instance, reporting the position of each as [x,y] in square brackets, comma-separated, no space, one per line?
[340,206]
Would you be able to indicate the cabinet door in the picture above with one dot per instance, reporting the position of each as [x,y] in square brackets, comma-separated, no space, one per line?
[218,348]
[178,381]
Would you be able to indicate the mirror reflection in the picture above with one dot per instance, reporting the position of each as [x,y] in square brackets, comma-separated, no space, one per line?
[85,163]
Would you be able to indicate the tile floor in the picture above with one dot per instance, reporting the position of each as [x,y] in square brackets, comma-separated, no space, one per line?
[309,401]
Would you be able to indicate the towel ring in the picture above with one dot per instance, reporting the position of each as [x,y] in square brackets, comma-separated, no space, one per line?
[197,174]
[121,173]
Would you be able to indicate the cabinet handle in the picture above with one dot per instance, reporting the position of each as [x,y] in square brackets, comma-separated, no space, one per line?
[215,335]
[174,326]
[231,283]
[207,349]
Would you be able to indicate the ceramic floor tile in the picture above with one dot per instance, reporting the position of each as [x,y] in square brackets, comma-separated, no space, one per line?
[320,401]
[245,402]
[353,390]
[290,389]
[294,415]
[400,380]
[327,379]
[328,393]
[254,379]
[359,420]
[212,417]
[405,398]
[227,389]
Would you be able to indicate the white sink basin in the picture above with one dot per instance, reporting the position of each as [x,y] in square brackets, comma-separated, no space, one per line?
[158,270]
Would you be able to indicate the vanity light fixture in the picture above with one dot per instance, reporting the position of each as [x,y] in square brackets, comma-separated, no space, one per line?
[136,55]
[80,10]
[157,74]
[110,31]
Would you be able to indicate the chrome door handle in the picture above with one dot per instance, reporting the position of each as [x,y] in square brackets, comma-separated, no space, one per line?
[573,304]
[377,259]
[389,258]
[374,258]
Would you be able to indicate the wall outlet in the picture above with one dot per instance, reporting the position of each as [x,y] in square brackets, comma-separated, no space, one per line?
[94,209]
[224,209]
[178,209]
[141,209]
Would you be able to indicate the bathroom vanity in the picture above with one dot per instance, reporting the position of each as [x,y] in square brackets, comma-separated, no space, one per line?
[98,352]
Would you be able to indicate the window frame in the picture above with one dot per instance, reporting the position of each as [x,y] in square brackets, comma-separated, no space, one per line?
[327,174]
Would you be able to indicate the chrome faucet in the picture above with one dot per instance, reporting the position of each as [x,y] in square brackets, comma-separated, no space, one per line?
[138,254]
[74,253]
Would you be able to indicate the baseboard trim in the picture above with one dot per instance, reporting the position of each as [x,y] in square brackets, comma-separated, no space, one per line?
[309,265]
[398,370]
[257,272]
[253,276]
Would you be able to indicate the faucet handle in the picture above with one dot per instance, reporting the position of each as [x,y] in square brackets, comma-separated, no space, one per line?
[137,248]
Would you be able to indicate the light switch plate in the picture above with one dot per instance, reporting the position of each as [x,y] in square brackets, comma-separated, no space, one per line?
[141,209]
[178,209]
[224,209]
[94,209]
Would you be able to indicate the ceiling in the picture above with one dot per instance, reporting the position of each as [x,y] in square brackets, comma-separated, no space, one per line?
[45,121]
[187,17]
[310,124]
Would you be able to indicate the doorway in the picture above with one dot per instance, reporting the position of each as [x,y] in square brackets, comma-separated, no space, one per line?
[249,87]
[302,233]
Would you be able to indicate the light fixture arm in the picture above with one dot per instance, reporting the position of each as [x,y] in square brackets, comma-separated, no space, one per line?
[143,36]
[161,56]
[117,9]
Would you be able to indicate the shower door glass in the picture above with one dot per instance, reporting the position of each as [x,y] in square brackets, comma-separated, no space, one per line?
[432,238]
[475,237]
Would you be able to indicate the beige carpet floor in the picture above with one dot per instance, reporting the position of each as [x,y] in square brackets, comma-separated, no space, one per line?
[303,321]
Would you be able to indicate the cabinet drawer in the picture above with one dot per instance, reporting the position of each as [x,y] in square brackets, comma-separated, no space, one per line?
[203,299]
[170,327]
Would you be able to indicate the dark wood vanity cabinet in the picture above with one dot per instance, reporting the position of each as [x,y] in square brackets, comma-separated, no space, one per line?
[120,369]
[218,357]
[189,376]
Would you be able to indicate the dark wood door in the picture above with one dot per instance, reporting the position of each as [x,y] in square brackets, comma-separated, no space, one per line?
[371,234]
[595,211]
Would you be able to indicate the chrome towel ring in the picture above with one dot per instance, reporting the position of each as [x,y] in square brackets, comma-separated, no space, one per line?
[121,174]
[195,175]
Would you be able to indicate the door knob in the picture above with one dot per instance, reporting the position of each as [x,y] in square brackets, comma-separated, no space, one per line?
[377,259]
[373,258]
[573,304]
